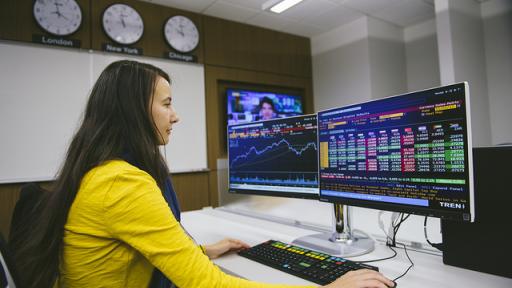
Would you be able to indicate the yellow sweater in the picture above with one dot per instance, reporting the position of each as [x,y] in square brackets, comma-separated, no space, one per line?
[119,228]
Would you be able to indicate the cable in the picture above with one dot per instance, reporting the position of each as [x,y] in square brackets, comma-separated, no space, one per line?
[438,246]
[402,217]
[381,259]
[409,268]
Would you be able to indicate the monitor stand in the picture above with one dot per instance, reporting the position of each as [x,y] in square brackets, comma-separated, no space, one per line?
[342,242]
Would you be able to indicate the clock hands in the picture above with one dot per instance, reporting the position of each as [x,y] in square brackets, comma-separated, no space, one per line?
[179,29]
[59,15]
[122,16]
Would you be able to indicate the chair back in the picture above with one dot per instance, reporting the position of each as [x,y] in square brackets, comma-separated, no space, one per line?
[8,274]
[22,217]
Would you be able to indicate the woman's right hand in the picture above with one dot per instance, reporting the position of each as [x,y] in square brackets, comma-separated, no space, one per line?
[363,278]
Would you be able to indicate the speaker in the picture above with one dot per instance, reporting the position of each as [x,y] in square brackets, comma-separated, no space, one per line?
[484,245]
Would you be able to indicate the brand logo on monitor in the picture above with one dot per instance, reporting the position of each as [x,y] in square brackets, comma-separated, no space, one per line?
[452,205]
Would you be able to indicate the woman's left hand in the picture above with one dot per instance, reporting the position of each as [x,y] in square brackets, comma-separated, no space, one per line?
[218,249]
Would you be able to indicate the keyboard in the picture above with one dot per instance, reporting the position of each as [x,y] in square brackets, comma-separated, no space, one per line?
[308,264]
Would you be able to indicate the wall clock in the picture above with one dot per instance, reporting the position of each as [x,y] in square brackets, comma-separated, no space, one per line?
[123,24]
[181,33]
[58,17]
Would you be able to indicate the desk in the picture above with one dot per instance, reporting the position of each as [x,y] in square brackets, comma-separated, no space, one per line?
[211,225]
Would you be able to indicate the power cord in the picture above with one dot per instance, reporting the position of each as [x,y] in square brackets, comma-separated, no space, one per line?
[410,266]
[391,242]
[396,227]
[381,259]
[438,246]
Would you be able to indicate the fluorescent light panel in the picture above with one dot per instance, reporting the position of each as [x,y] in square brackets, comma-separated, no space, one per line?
[279,6]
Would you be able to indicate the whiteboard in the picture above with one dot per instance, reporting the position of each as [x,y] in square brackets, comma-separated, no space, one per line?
[43,92]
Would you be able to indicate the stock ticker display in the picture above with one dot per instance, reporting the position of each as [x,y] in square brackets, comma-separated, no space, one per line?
[410,149]
[277,156]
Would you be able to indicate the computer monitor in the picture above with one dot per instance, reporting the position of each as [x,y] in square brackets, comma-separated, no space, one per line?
[408,153]
[244,106]
[276,157]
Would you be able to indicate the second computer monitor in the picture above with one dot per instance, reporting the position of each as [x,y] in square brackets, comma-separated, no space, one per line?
[276,157]
[407,153]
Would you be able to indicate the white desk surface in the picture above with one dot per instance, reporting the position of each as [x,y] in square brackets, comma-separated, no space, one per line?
[211,225]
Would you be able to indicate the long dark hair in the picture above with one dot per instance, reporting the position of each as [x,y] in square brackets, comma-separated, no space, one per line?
[117,120]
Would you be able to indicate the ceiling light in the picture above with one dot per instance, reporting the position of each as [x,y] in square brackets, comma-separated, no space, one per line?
[278,6]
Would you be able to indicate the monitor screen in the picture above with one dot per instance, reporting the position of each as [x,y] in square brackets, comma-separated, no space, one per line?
[406,153]
[247,106]
[276,157]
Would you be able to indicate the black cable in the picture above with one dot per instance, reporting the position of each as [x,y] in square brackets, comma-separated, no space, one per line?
[409,268]
[381,259]
[438,246]
[396,226]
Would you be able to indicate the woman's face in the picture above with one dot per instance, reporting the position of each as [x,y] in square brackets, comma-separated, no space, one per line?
[162,111]
[266,111]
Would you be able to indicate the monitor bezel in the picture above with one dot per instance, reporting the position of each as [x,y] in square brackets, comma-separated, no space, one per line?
[266,192]
[401,207]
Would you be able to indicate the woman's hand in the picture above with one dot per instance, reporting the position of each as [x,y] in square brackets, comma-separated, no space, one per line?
[363,278]
[218,249]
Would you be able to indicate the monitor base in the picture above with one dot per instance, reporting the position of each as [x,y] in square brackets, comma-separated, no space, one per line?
[329,243]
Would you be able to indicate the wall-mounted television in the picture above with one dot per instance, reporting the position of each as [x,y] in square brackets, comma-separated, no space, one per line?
[245,106]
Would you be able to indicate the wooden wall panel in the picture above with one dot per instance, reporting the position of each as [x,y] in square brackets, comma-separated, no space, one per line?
[192,190]
[154,17]
[236,45]
[17,22]
[9,194]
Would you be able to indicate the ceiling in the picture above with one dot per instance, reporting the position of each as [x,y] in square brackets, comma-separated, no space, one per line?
[310,17]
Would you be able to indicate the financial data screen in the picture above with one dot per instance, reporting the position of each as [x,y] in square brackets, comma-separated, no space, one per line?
[275,157]
[408,151]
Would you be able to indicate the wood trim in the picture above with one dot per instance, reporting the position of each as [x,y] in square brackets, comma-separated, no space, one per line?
[9,195]
[192,190]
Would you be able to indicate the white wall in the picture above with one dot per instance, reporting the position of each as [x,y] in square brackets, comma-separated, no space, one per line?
[422,56]
[387,59]
[462,58]
[341,66]
[497,24]
[357,62]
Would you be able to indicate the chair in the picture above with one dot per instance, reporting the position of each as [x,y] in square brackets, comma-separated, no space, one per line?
[23,211]
[22,216]
[8,275]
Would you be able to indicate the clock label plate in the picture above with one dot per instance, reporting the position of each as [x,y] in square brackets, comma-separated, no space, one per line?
[180,57]
[107,47]
[56,41]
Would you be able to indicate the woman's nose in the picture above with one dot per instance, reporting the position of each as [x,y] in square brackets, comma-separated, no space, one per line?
[174,116]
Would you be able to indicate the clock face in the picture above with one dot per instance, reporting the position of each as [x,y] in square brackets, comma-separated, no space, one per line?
[181,33]
[58,17]
[123,24]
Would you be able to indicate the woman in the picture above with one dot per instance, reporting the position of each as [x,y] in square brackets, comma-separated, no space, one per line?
[266,109]
[112,218]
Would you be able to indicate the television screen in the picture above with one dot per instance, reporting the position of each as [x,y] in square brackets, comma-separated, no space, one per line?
[246,106]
